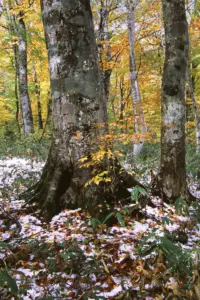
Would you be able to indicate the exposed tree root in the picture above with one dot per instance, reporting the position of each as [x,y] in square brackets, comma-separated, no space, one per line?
[156,190]
[61,188]
[64,186]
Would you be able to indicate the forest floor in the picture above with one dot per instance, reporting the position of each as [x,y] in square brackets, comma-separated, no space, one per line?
[76,257]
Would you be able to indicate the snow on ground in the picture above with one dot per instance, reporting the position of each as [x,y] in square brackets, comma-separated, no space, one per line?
[14,168]
[68,259]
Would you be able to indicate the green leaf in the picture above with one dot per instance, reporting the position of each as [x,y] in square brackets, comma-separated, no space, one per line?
[142,191]
[108,217]
[95,222]
[5,245]
[166,221]
[181,207]
[142,246]
[120,219]
[5,277]
[147,250]
[136,192]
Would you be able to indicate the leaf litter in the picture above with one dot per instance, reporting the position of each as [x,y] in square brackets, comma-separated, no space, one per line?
[70,259]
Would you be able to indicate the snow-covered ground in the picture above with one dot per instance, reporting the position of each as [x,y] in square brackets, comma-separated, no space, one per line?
[68,259]
[14,168]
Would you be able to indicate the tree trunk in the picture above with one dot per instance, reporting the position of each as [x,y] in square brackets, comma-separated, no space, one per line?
[26,112]
[48,124]
[103,38]
[122,103]
[17,27]
[20,57]
[173,166]
[37,92]
[195,108]
[104,49]
[78,110]
[137,105]
[15,49]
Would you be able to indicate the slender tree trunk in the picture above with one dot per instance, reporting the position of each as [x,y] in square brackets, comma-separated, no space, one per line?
[173,166]
[137,105]
[103,37]
[17,105]
[26,112]
[15,49]
[195,108]
[13,31]
[17,27]
[122,102]
[113,99]
[37,92]
[78,110]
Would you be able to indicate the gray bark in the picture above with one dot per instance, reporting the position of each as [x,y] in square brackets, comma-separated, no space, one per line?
[122,101]
[15,49]
[17,28]
[76,102]
[104,36]
[78,109]
[137,105]
[195,109]
[26,112]
[48,124]
[37,92]
[173,166]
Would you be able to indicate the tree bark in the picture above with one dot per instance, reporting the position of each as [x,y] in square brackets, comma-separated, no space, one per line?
[15,49]
[78,112]
[122,102]
[173,166]
[195,109]
[48,125]
[26,111]
[103,36]
[17,28]
[37,92]
[139,120]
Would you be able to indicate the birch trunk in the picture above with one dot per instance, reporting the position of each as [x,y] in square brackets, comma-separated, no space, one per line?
[78,109]
[137,105]
[173,166]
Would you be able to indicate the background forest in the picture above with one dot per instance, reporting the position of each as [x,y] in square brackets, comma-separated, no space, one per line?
[115,49]
[143,244]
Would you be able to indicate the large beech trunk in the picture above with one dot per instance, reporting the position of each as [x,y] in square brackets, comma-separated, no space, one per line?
[173,166]
[78,109]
